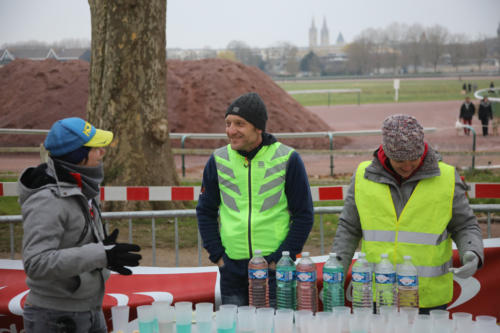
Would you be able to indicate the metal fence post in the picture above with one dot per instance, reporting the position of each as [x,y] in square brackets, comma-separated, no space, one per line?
[176,243]
[153,240]
[473,145]
[330,137]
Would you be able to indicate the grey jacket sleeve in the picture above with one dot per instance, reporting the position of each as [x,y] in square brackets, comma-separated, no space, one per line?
[349,231]
[463,226]
[46,221]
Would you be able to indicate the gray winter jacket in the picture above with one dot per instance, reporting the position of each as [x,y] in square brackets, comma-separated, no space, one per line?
[463,226]
[63,255]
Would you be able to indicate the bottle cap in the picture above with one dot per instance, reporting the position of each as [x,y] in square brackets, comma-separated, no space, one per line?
[384,255]
[361,255]
[333,254]
[257,252]
[285,253]
[407,257]
[305,254]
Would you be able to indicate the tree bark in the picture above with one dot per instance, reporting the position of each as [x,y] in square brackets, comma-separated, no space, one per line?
[128,92]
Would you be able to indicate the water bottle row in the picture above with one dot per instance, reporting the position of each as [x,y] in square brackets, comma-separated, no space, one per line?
[296,285]
[393,287]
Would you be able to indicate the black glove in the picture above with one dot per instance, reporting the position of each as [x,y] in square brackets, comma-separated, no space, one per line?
[119,255]
[111,239]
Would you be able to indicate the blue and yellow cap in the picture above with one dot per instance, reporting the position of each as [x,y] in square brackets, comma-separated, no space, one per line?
[69,134]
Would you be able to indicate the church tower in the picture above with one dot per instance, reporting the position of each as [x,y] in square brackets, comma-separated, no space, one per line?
[313,36]
[325,38]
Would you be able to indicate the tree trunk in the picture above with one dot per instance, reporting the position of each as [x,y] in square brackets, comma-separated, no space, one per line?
[128,92]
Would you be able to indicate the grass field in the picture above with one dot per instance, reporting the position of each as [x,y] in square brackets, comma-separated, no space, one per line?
[382,91]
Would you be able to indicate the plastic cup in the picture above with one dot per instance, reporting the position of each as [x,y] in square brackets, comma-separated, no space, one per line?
[387,311]
[377,324]
[183,316]
[422,324]
[359,321]
[165,315]
[146,319]
[461,319]
[283,321]
[302,319]
[410,312]
[119,316]
[439,314]
[264,318]
[224,321]
[203,316]
[324,321]
[246,318]
[342,314]
[486,324]
[399,322]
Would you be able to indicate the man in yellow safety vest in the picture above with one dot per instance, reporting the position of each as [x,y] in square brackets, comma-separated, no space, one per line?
[407,202]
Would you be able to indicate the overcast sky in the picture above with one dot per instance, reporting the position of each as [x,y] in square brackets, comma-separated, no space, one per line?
[259,23]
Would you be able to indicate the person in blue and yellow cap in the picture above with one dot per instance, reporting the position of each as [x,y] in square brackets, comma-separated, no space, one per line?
[66,252]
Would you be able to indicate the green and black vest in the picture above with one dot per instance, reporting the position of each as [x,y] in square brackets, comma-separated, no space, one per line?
[254,208]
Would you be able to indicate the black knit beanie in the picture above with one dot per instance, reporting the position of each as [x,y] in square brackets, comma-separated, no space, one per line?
[251,108]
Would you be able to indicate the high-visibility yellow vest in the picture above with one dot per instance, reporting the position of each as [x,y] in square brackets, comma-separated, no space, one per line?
[254,208]
[420,230]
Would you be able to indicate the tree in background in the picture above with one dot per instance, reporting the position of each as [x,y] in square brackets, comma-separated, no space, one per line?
[436,38]
[128,92]
[311,63]
[456,49]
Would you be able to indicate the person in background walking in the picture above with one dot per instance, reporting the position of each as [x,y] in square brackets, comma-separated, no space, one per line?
[259,189]
[485,114]
[387,208]
[66,253]
[467,111]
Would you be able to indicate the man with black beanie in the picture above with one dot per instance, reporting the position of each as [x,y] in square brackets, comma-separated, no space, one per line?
[259,190]
[66,252]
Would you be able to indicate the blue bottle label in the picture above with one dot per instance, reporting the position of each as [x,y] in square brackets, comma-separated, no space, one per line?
[306,276]
[408,280]
[362,277]
[258,274]
[336,277]
[384,278]
[285,276]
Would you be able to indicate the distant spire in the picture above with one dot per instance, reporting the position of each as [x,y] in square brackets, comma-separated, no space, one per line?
[340,39]
[325,36]
[313,35]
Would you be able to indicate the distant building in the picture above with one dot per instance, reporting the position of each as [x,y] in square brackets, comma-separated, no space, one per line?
[313,36]
[8,55]
[324,48]
[325,38]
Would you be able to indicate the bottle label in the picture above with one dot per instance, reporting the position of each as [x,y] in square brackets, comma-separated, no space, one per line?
[336,277]
[362,277]
[306,276]
[408,280]
[385,278]
[285,276]
[257,274]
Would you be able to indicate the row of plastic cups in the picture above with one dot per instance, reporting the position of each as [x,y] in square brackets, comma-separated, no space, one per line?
[248,318]
[163,314]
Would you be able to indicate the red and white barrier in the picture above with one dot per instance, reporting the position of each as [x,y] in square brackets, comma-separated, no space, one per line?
[477,295]
[190,193]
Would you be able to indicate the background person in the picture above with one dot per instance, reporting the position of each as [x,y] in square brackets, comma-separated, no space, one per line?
[65,250]
[485,114]
[467,111]
[407,202]
[259,189]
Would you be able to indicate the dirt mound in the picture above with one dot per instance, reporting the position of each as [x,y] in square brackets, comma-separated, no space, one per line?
[34,94]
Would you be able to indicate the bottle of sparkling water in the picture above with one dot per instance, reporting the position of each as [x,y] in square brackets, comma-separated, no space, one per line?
[407,284]
[258,290]
[333,283]
[285,283]
[385,283]
[307,293]
[362,283]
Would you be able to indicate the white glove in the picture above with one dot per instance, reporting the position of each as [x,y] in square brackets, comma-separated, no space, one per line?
[469,267]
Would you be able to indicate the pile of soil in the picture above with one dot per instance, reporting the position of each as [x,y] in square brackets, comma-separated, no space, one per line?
[35,94]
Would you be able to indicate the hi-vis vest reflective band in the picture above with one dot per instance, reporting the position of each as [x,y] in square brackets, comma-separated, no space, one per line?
[254,211]
[419,232]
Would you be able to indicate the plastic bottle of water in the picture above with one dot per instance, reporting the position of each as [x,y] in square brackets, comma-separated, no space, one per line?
[285,283]
[385,283]
[362,283]
[258,290]
[333,283]
[307,293]
[407,277]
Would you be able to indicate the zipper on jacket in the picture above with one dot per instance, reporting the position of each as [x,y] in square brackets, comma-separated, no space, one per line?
[250,209]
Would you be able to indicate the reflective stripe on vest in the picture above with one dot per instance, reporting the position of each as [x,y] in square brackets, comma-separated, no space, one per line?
[420,230]
[254,208]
